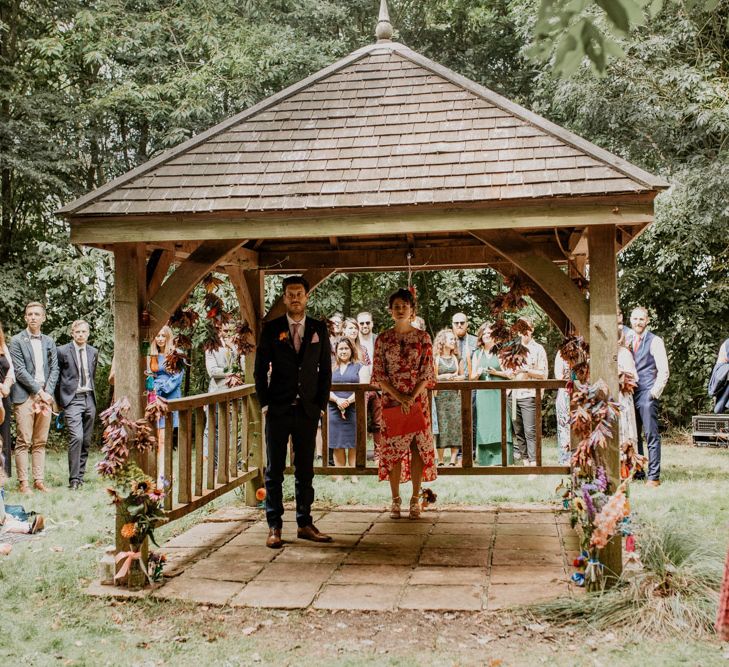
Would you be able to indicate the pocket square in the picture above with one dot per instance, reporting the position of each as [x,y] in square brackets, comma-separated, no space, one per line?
[315,338]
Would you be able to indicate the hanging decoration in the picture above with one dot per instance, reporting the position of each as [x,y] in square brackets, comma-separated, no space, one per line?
[507,346]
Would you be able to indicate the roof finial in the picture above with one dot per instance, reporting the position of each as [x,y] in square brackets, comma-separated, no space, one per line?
[383,31]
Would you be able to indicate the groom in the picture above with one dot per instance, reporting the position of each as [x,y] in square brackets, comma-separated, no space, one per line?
[295,349]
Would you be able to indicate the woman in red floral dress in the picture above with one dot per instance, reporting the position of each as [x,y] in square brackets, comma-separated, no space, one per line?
[403,368]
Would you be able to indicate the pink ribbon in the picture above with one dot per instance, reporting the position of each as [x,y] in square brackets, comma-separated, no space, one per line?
[127,557]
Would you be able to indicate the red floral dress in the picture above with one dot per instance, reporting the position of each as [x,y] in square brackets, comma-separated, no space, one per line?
[404,360]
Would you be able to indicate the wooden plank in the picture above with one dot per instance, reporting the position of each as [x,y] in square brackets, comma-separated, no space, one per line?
[223,444]
[604,357]
[622,210]
[198,502]
[184,462]
[232,408]
[201,400]
[244,434]
[504,441]
[169,474]
[199,442]
[245,300]
[211,419]
[360,405]
[538,425]
[541,270]
[157,267]
[175,289]
[325,439]
[466,429]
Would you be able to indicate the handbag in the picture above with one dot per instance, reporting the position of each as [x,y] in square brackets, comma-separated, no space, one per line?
[398,423]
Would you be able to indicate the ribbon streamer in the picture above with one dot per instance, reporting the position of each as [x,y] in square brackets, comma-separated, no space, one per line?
[128,557]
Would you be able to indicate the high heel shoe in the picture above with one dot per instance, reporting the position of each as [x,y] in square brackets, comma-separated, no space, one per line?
[395,508]
[415,508]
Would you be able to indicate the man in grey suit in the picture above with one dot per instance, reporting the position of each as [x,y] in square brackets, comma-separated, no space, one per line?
[76,394]
[36,373]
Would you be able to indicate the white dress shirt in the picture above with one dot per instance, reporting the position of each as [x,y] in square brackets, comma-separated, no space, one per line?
[536,361]
[82,356]
[36,345]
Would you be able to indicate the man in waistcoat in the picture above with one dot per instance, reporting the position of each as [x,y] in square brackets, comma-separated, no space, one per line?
[651,362]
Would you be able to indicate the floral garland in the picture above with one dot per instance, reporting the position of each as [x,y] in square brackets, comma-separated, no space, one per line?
[507,345]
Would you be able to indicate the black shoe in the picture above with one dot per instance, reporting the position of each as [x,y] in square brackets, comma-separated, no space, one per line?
[639,476]
[75,485]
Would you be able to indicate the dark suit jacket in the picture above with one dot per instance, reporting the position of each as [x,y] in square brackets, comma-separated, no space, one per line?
[70,373]
[21,353]
[307,374]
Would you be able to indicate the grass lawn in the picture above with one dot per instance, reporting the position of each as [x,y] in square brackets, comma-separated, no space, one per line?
[47,620]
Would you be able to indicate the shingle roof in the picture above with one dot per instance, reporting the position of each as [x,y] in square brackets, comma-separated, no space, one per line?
[384,126]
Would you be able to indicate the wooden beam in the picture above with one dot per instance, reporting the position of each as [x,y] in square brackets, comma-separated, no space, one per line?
[387,221]
[175,289]
[245,300]
[380,259]
[157,267]
[246,258]
[542,271]
[313,276]
[604,356]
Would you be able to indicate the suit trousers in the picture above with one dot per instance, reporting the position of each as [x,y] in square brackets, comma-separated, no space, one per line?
[80,417]
[282,422]
[31,436]
[525,429]
[646,418]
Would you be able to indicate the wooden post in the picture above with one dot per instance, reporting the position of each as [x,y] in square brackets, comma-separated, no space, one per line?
[604,358]
[129,293]
[255,280]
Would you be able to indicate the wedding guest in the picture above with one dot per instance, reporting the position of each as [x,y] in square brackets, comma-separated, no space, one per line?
[628,376]
[24,523]
[627,332]
[486,366]
[403,368]
[466,341]
[76,393]
[293,375]
[350,330]
[448,368]
[367,339]
[341,408]
[719,381]
[7,378]
[166,383]
[36,372]
[651,363]
[534,368]
[562,409]
[367,336]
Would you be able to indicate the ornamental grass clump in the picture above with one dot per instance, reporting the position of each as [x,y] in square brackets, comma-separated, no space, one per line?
[675,594]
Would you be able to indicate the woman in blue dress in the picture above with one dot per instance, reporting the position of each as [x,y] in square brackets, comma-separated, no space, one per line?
[342,411]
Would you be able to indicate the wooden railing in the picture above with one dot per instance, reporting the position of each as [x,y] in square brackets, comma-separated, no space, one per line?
[467,467]
[194,480]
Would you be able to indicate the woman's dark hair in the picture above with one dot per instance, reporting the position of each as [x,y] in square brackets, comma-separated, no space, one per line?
[296,280]
[403,295]
[352,347]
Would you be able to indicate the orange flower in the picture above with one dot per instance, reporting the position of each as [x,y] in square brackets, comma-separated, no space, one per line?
[260,494]
[284,335]
[129,530]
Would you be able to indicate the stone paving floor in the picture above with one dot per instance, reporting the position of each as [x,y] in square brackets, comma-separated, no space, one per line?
[450,559]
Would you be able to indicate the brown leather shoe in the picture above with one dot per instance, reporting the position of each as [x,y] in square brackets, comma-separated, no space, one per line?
[24,488]
[274,541]
[313,533]
[653,482]
[39,486]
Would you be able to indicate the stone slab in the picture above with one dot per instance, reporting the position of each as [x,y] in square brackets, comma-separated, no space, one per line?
[448,576]
[400,528]
[358,596]
[277,594]
[533,558]
[519,574]
[206,535]
[339,540]
[456,541]
[304,555]
[383,556]
[455,557]
[276,571]
[391,575]
[526,517]
[463,529]
[233,513]
[466,517]
[179,558]
[442,598]
[96,589]
[501,596]
[343,527]
[546,529]
[529,543]
[224,570]
[249,554]
[392,540]
[354,516]
[203,591]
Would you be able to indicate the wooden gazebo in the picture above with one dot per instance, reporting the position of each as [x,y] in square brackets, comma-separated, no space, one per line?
[385,153]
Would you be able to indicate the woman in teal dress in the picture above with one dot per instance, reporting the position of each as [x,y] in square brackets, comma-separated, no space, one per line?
[486,366]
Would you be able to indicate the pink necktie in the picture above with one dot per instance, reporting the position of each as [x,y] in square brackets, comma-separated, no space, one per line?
[297,336]
[636,343]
